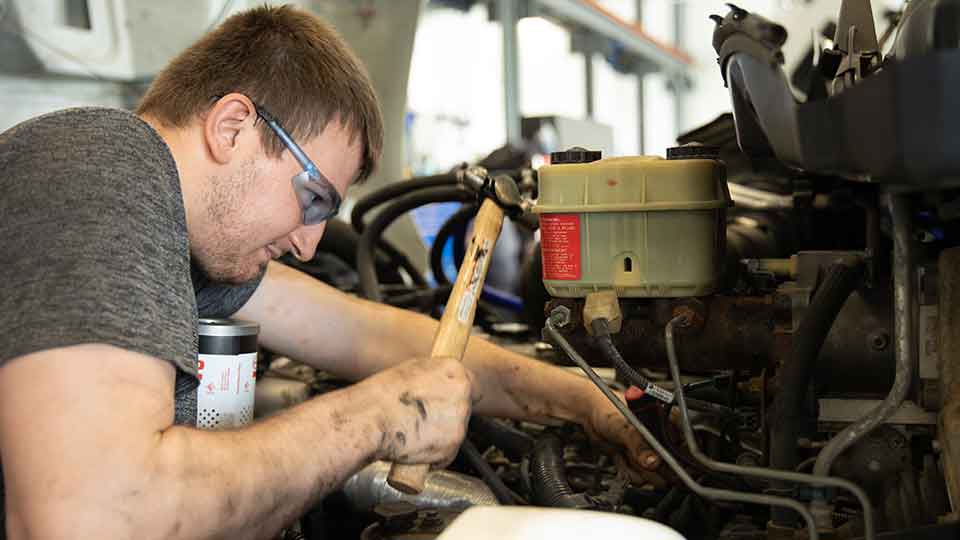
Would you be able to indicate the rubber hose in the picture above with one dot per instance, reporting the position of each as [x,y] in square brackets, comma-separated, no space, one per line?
[454,223]
[514,443]
[394,190]
[387,193]
[601,332]
[369,284]
[340,240]
[794,377]
[549,477]
[496,485]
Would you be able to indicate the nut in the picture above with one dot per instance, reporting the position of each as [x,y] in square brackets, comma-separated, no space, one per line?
[560,316]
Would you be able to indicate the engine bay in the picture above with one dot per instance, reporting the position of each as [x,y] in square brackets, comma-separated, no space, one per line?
[779,298]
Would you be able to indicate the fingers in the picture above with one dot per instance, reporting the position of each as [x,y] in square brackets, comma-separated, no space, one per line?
[427,404]
[649,460]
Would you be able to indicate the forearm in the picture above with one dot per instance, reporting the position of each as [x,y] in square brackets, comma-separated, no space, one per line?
[353,338]
[251,482]
[507,384]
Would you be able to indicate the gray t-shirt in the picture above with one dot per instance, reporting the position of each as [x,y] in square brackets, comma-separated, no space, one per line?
[94,242]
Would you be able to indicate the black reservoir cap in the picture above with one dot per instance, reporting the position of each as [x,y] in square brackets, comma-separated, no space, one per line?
[574,155]
[693,151]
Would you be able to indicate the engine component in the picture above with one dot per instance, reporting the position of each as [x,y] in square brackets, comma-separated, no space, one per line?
[759,472]
[733,332]
[950,371]
[550,331]
[904,342]
[227,370]
[610,224]
[549,479]
[444,489]
[794,376]
[274,394]
[886,128]
[875,459]
[404,521]
[914,498]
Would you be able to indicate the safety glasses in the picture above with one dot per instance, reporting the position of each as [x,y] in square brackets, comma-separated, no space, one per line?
[318,198]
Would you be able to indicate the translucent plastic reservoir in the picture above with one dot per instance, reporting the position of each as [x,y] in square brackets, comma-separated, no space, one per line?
[642,226]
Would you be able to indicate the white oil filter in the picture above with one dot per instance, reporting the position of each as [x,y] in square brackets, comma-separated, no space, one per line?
[227,372]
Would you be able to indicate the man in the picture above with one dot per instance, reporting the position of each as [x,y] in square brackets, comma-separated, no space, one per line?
[107,216]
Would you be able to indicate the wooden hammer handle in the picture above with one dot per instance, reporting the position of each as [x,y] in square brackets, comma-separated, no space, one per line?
[457,321]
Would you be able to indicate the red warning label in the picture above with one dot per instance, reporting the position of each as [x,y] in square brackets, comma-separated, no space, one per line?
[560,245]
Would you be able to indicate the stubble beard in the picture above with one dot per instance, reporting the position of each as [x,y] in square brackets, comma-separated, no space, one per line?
[222,254]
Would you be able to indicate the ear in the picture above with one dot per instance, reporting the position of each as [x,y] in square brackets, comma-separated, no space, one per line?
[227,124]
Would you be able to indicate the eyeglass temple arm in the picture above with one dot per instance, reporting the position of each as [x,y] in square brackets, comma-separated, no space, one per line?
[294,148]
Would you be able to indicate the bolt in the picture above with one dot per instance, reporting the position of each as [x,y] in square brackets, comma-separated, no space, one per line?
[874,465]
[691,317]
[560,316]
[879,341]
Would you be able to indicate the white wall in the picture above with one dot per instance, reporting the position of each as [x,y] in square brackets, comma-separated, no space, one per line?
[456,84]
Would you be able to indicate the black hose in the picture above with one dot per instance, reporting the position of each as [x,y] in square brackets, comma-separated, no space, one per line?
[387,193]
[549,477]
[514,443]
[601,332]
[794,377]
[500,490]
[394,190]
[369,284]
[454,223]
[340,240]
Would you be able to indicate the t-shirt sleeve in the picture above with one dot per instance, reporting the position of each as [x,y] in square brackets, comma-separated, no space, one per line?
[94,239]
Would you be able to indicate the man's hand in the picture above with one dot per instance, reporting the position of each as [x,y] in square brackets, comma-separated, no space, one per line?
[426,404]
[606,424]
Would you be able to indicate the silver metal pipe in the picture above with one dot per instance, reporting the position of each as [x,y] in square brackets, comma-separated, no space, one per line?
[444,489]
[904,342]
[758,472]
[710,493]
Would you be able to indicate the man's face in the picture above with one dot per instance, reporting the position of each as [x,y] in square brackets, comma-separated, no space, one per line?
[254,212]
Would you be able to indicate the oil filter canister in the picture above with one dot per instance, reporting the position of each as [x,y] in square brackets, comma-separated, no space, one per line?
[640,226]
[227,373]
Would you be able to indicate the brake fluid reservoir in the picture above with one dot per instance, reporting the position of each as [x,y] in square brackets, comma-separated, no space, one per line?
[642,226]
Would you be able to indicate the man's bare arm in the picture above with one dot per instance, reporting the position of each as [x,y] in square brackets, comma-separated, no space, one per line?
[353,338]
[88,449]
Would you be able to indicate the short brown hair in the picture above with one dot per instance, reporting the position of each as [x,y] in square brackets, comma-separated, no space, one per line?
[284,59]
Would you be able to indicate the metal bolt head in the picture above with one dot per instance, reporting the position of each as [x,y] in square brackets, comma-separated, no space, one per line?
[560,316]
[879,341]
[507,192]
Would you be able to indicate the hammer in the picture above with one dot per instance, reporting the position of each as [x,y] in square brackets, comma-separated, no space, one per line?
[453,333]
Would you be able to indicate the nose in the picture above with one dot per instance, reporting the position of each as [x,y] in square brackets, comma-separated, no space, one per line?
[304,240]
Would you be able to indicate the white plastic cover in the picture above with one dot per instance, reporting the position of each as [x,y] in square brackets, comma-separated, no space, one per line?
[524,523]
